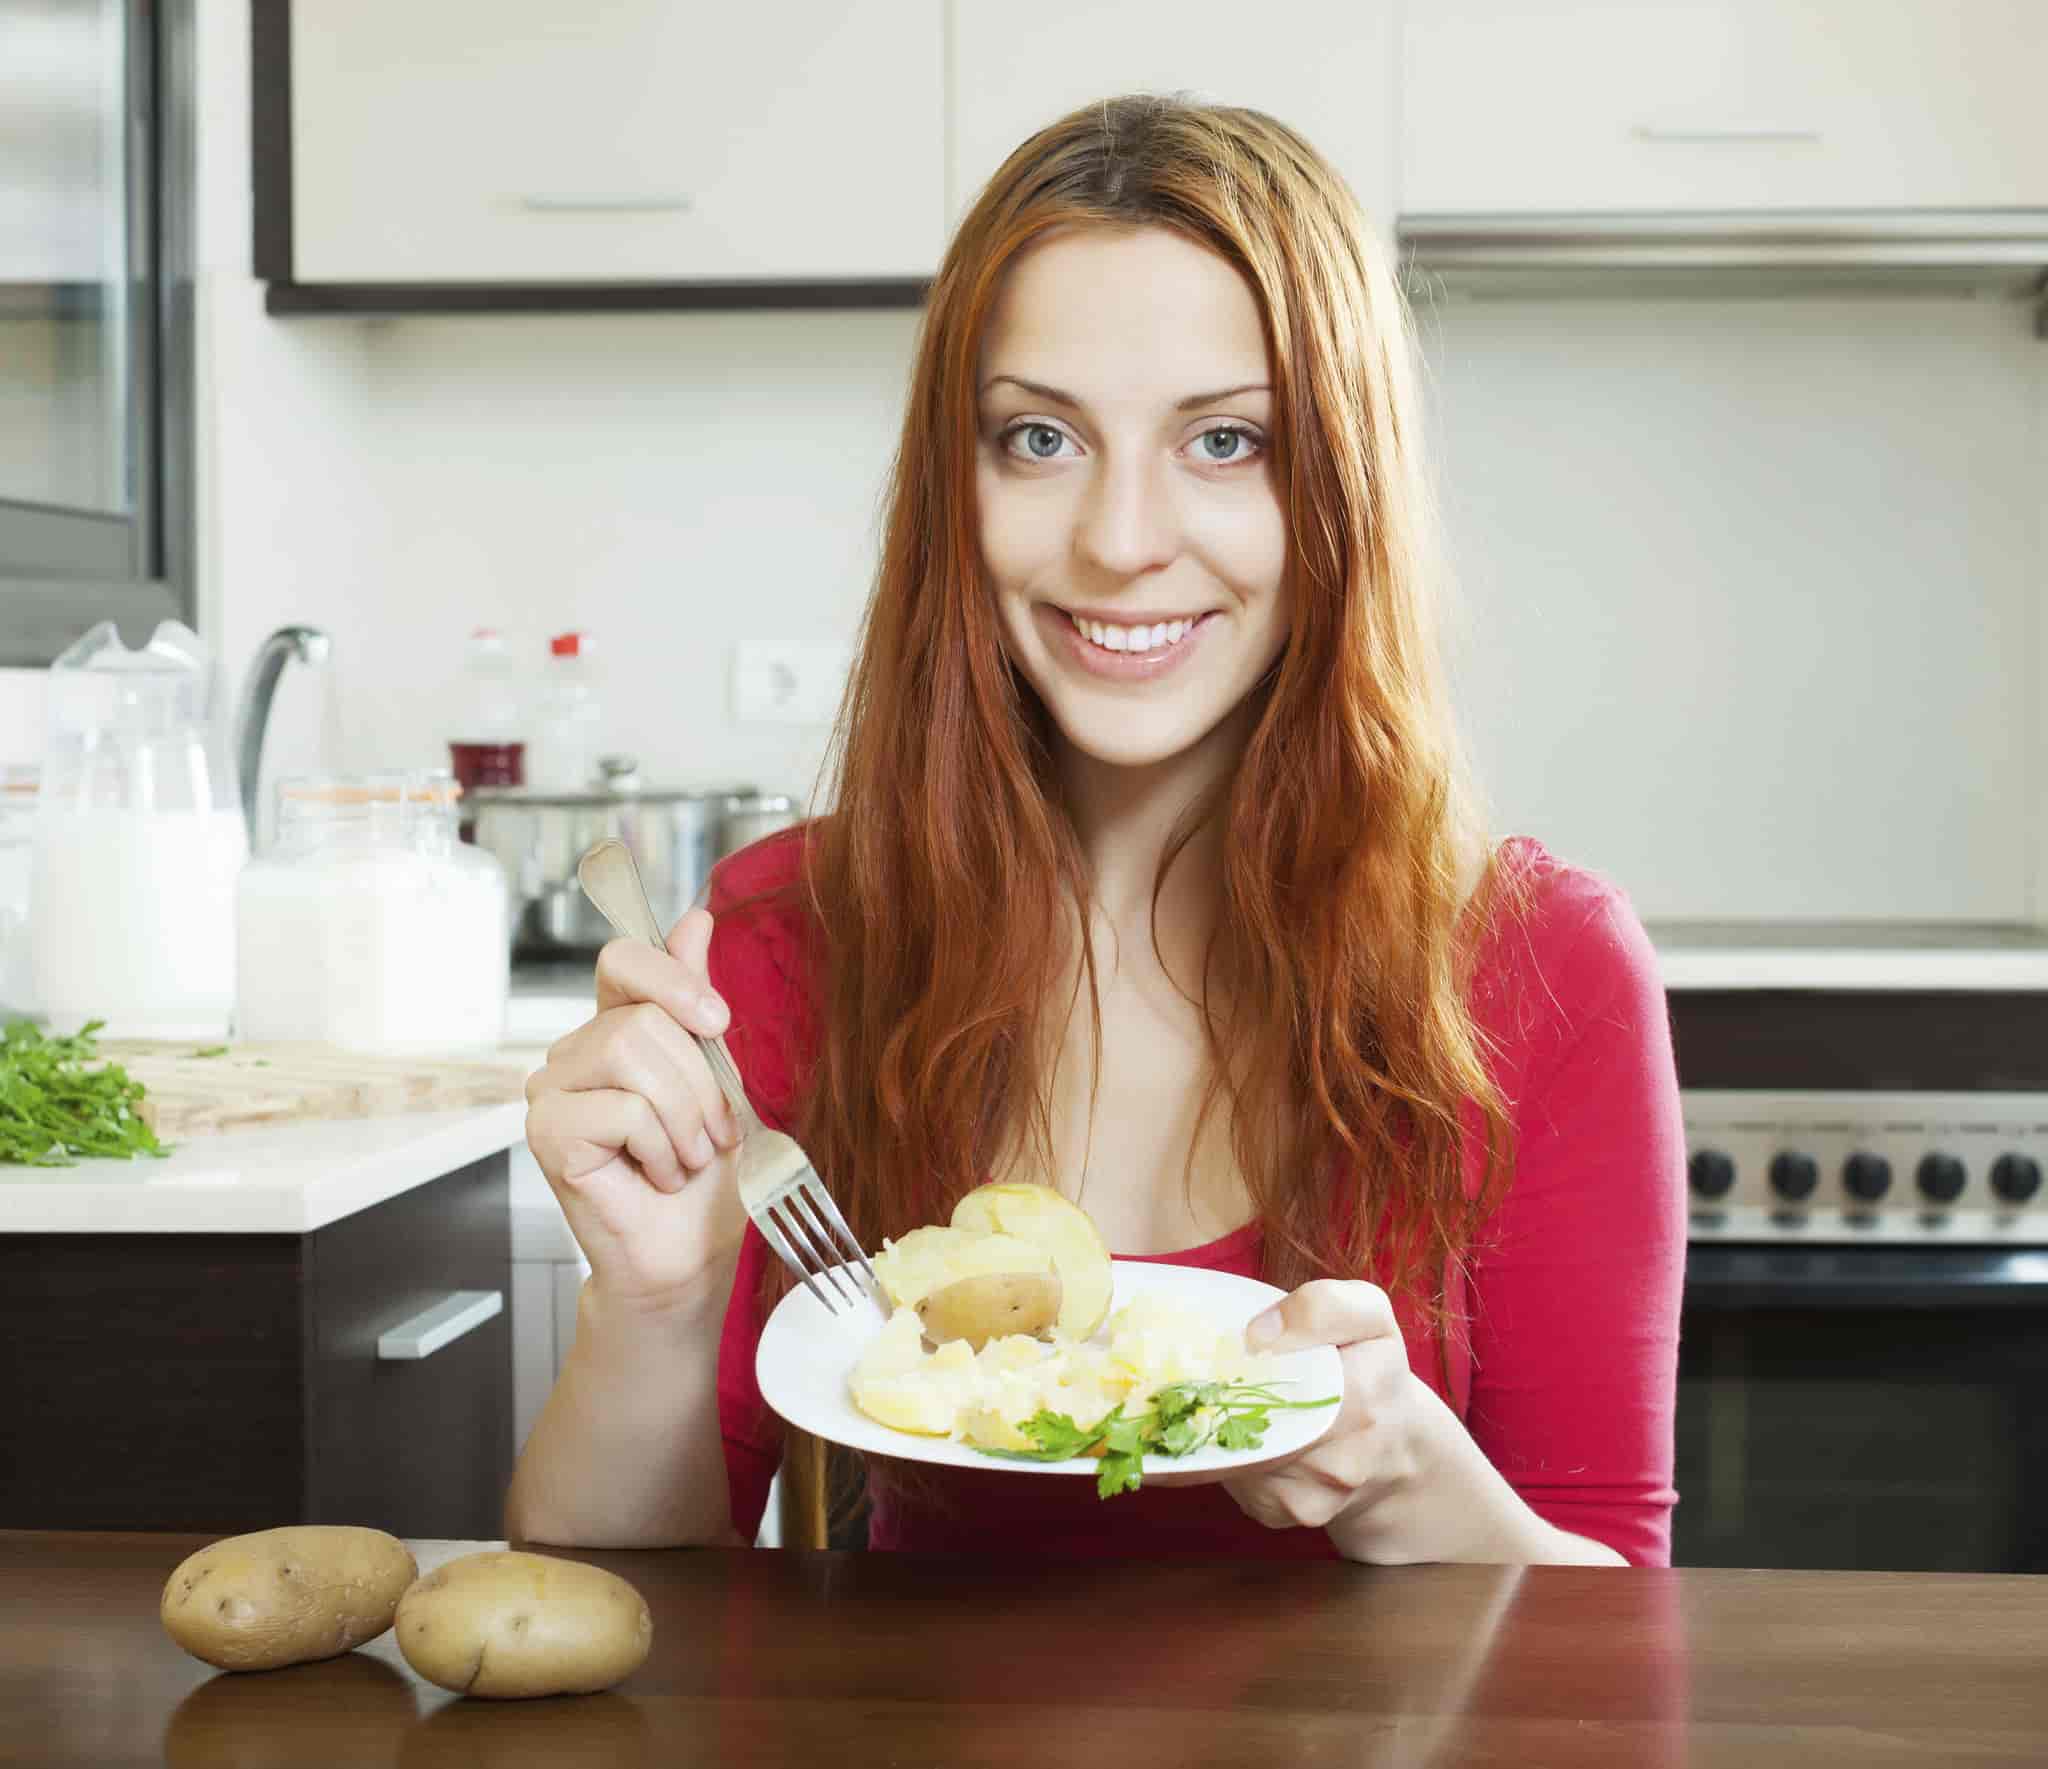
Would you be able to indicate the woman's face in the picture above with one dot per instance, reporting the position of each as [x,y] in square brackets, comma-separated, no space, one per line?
[1129,518]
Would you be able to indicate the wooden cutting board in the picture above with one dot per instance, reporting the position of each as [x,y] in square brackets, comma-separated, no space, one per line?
[247,1086]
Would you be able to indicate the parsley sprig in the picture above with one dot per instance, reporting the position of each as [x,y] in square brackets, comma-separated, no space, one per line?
[55,1107]
[1183,1418]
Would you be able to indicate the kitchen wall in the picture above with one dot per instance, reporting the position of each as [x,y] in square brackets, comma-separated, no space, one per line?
[673,483]
[1749,588]
[1751,594]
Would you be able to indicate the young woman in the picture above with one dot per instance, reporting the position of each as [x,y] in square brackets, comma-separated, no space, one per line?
[1151,875]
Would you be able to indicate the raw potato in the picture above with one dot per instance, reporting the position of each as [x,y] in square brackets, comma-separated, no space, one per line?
[284,1596]
[928,1258]
[509,1624]
[993,1305]
[1040,1216]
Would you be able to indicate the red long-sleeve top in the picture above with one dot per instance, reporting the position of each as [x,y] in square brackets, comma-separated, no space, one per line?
[1566,1373]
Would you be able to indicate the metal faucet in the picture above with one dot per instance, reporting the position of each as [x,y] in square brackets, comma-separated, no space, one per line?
[252,717]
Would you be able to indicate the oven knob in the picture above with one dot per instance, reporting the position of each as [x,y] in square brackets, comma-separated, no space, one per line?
[2015,1178]
[1941,1178]
[1794,1176]
[1711,1173]
[1868,1177]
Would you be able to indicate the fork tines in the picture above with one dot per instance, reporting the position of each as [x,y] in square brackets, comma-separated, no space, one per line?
[804,1217]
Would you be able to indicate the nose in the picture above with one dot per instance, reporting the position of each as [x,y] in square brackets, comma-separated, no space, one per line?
[1127,522]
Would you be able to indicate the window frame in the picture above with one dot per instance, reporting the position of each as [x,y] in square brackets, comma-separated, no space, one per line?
[62,571]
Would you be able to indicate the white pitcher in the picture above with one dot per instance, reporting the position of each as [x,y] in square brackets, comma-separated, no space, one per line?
[139,838]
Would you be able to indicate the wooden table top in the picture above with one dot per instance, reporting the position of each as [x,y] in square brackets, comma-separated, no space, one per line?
[849,1660]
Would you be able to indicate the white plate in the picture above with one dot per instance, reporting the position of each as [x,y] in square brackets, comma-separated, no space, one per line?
[806,1355]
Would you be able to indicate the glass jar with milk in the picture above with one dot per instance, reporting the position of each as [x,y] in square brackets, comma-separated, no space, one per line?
[369,924]
[138,840]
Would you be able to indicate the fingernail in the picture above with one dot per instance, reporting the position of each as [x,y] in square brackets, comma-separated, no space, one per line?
[716,1018]
[700,1152]
[1264,1329]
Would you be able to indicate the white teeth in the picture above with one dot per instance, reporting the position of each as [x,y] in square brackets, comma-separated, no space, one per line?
[1134,639]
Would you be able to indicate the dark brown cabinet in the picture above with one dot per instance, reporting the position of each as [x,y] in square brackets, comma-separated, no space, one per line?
[228,1382]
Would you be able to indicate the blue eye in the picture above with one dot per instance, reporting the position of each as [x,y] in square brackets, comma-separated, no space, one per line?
[1041,441]
[1240,444]
[1223,445]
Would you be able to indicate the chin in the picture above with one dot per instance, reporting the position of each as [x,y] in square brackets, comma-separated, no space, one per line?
[1133,736]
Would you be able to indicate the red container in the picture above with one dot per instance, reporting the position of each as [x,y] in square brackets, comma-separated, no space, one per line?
[486,764]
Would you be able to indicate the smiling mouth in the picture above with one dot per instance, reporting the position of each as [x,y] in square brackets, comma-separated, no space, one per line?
[1144,640]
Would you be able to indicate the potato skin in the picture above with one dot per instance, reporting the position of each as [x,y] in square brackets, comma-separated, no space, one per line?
[1059,1228]
[990,1306]
[286,1596]
[927,1259]
[508,1624]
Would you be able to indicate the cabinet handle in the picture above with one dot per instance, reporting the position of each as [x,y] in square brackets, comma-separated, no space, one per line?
[604,205]
[1732,132]
[432,1328]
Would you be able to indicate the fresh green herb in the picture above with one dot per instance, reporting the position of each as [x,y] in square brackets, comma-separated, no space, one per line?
[55,1107]
[212,1050]
[1184,1417]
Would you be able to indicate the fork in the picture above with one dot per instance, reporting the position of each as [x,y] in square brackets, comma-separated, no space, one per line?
[778,1185]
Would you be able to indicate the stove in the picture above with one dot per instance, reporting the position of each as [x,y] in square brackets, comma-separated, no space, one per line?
[1867,1169]
[1863,1357]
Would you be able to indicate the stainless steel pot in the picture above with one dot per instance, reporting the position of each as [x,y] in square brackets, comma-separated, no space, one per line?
[675,833]
[749,816]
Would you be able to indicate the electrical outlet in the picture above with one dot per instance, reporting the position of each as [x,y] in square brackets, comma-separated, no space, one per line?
[788,681]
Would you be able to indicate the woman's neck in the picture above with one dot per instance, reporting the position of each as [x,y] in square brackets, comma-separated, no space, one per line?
[1127,817]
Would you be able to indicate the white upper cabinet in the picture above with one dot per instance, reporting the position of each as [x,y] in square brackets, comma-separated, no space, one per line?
[1702,105]
[528,141]
[1325,67]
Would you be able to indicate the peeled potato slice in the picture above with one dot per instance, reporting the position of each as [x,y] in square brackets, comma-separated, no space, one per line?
[993,1305]
[1060,1229]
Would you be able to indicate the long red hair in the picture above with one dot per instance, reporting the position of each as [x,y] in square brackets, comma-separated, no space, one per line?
[943,884]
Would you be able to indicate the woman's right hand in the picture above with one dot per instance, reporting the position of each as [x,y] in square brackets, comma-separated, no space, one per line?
[632,1131]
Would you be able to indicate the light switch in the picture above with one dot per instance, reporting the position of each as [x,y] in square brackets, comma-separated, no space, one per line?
[788,681]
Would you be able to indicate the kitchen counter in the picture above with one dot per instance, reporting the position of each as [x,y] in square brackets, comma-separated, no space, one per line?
[858,1659]
[549,999]
[292,1179]
[295,1178]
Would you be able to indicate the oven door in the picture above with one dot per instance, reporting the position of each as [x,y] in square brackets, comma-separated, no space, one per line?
[1874,1408]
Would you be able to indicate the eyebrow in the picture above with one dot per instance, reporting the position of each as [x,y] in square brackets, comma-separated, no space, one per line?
[1193,401]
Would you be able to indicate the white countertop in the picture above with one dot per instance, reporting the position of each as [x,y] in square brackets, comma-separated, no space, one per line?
[1847,956]
[295,1178]
[288,1180]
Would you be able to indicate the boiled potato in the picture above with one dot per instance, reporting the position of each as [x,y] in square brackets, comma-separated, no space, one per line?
[508,1624]
[897,1383]
[1038,1216]
[928,1258]
[992,1305]
[283,1596]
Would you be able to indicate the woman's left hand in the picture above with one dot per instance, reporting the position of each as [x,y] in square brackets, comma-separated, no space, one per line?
[1397,1478]
[1370,1451]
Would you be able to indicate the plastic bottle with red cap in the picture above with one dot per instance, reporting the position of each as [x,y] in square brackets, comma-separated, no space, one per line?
[568,734]
[487,735]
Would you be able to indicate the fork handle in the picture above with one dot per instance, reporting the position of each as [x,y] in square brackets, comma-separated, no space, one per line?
[611,881]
